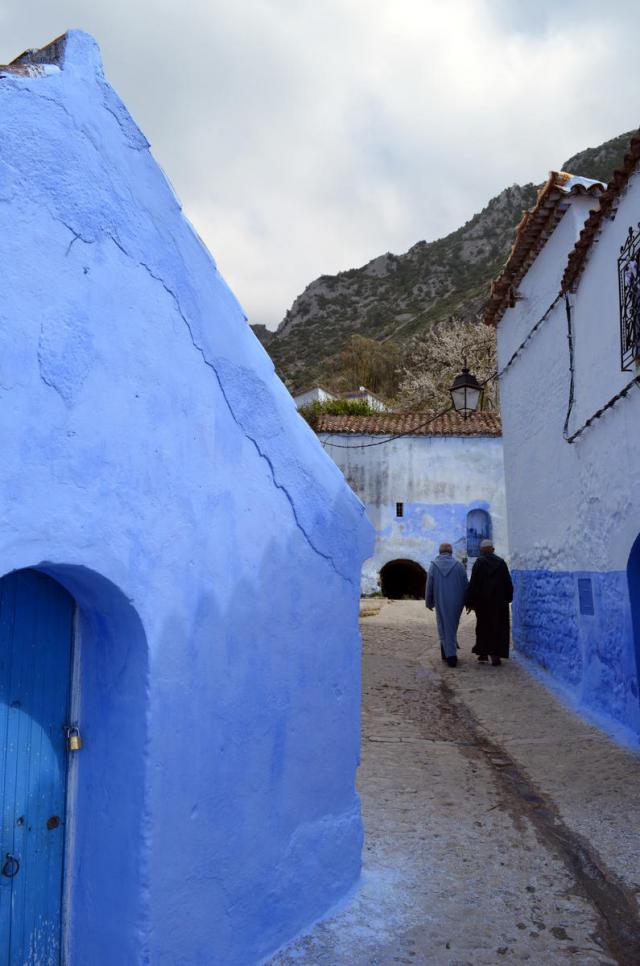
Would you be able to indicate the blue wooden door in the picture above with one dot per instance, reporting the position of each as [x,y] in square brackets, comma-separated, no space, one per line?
[36,629]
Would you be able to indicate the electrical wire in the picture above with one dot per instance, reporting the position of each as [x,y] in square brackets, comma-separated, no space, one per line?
[572,437]
[569,438]
[495,375]
[391,438]
[572,371]
[532,332]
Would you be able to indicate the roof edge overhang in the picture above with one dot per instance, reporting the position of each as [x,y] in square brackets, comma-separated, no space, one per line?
[532,233]
[607,208]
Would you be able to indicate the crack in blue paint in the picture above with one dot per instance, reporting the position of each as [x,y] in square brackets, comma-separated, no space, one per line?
[263,455]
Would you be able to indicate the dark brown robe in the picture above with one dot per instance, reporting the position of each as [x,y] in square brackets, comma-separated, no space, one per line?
[489,595]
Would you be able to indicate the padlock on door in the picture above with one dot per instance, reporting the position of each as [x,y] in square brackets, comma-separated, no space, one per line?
[74,740]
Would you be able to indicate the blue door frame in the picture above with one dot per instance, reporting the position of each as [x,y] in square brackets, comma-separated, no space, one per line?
[36,639]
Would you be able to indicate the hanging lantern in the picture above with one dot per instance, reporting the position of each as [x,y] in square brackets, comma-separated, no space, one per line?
[466,392]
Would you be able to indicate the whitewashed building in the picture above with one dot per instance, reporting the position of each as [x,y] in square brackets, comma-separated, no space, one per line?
[321,395]
[422,481]
[567,308]
[365,395]
[316,394]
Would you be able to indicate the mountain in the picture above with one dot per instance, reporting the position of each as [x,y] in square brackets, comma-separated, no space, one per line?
[393,297]
[600,163]
[264,334]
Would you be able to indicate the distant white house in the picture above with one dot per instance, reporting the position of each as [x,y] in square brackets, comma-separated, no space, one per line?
[321,395]
[422,481]
[365,395]
[567,306]
[315,394]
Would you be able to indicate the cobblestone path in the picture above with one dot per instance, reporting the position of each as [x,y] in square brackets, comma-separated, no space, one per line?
[500,828]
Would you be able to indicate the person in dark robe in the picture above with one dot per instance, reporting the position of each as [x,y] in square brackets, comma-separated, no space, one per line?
[446,591]
[489,595]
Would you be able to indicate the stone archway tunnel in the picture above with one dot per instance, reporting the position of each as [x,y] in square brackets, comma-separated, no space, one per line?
[401,579]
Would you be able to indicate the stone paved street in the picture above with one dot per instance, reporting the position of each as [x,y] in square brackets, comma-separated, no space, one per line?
[500,828]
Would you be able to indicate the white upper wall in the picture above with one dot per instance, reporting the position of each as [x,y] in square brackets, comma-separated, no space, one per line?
[597,312]
[541,284]
[571,507]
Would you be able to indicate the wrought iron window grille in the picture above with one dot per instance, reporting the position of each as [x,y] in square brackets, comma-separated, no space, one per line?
[629,287]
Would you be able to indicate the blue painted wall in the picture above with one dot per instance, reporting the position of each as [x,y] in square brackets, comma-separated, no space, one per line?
[155,466]
[592,654]
[424,526]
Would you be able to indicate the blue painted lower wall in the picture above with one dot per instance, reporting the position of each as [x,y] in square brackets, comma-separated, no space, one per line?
[590,649]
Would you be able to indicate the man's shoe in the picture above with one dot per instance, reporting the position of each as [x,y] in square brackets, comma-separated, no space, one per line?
[495,661]
[483,658]
[452,661]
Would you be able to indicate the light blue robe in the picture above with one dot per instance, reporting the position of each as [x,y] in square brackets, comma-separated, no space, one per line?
[446,591]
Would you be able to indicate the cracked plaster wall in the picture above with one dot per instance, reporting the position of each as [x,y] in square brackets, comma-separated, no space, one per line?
[439,479]
[574,510]
[146,439]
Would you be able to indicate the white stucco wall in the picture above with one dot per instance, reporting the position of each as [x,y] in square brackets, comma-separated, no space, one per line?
[437,478]
[574,509]
[313,395]
[576,506]
[372,401]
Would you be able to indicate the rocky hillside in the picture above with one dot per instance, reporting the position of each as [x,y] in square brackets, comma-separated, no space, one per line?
[600,162]
[395,296]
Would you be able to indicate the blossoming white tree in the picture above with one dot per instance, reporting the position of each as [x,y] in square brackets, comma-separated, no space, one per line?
[433,359]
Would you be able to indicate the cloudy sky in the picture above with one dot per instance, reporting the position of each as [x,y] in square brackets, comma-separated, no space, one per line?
[308,136]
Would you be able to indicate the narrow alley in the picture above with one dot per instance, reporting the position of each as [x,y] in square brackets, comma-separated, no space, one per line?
[500,828]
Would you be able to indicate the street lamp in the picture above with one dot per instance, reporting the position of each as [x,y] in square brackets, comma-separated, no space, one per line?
[466,392]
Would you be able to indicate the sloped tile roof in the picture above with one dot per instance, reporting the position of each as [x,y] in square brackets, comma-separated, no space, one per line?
[593,225]
[532,233]
[412,424]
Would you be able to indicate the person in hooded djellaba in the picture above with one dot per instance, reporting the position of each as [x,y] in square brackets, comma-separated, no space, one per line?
[446,592]
[489,595]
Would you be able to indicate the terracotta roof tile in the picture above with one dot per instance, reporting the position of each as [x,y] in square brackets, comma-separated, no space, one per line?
[533,231]
[412,424]
[593,225]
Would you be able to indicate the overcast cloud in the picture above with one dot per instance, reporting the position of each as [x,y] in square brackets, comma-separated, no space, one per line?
[308,137]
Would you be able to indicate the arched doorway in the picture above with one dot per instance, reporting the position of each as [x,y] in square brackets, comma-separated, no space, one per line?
[478,529]
[36,639]
[102,829]
[633,577]
[403,578]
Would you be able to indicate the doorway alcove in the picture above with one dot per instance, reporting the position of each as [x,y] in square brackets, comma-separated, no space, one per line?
[104,687]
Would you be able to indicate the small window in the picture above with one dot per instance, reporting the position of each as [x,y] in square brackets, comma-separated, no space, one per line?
[629,287]
[585,594]
[399,509]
